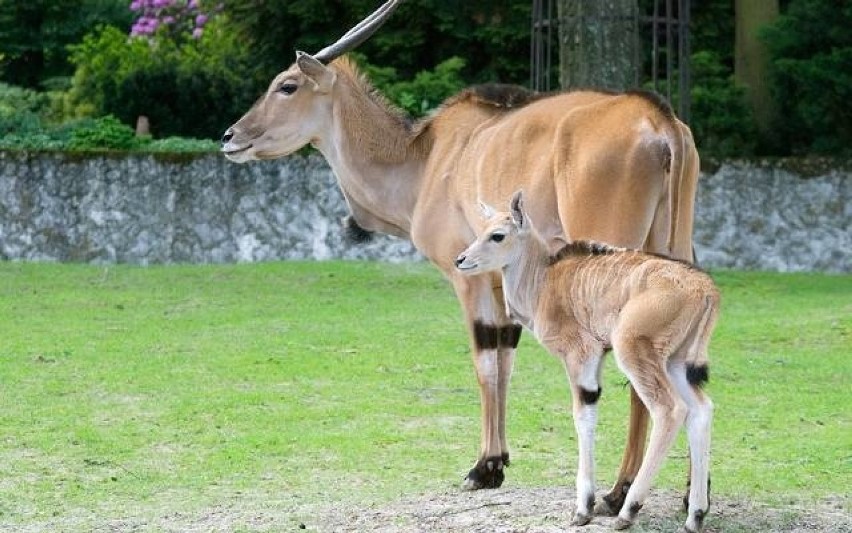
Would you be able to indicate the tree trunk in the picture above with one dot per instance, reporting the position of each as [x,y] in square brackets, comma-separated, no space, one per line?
[597,44]
[751,58]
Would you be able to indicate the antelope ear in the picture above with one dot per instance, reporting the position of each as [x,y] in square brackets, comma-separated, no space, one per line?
[322,76]
[519,216]
[487,211]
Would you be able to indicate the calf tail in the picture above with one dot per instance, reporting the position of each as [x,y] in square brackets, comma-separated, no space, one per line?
[697,363]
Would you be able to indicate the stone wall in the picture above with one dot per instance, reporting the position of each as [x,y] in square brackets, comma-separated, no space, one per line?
[164,208]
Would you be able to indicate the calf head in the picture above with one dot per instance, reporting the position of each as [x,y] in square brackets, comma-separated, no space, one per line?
[500,243]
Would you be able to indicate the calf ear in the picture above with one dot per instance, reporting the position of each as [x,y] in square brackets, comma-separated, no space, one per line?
[322,76]
[517,209]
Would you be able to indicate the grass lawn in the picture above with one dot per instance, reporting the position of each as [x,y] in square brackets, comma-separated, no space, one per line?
[139,392]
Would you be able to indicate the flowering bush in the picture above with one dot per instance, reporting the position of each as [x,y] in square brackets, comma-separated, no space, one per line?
[175,17]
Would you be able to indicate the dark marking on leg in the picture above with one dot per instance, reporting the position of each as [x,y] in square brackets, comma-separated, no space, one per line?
[505,458]
[699,518]
[486,336]
[590,502]
[634,509]
[590,397]
[686,498]
[487,473]
[510,336]
[697,375]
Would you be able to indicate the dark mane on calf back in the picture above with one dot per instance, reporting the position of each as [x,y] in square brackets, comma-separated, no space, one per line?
[591,248]
[582,248]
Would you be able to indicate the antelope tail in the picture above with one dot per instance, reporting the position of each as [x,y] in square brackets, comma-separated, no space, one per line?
[675,180]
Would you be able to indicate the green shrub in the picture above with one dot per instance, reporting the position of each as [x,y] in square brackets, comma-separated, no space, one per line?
[425,92]
[722,122]
[104,133]
[181,144]
[20,110]
[195,88]
[811,62]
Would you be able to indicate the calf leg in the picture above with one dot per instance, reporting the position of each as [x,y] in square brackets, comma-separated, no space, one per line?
[646,370]
[633,449]
[584,375]
[699,419]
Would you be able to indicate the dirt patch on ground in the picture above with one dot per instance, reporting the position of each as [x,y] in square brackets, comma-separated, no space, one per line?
[549,509]
[533,510]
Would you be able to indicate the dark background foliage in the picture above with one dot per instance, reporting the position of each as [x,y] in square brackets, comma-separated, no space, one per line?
[77,57]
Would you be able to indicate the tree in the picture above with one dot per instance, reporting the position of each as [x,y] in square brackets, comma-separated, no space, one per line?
[597,43]
[751,65]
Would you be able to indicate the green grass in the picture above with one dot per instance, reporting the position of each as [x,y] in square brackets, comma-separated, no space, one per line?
[131,391]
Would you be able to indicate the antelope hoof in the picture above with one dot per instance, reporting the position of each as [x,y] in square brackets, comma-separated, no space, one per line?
[613,502]
[581,519]
[486,474]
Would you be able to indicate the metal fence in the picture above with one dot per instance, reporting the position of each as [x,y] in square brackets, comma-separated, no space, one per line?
[660,52]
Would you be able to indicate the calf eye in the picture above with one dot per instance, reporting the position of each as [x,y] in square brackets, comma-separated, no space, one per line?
[288,88]
[497,237]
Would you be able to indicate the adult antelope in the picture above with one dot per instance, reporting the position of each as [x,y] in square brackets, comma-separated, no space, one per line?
[656,314]
[617,168]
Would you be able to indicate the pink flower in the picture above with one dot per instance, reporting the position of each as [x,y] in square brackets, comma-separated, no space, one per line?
[196,33]
[200,20]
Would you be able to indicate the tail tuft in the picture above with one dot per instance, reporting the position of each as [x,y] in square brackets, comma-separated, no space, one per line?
[697,375]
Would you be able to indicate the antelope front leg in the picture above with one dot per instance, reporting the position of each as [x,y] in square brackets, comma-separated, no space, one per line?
[488,471]
[493,343]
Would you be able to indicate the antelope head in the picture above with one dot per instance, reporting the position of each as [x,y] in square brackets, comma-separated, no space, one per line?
[500,242]
[296,108]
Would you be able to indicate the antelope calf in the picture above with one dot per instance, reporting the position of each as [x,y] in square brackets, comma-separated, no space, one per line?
[656,315]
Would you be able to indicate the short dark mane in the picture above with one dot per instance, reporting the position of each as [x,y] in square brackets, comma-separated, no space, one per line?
[581,248]
[591,248]
[656,99]
[499,95]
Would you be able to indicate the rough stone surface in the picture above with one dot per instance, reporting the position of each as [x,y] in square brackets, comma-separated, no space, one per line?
[765,217]
[147,209]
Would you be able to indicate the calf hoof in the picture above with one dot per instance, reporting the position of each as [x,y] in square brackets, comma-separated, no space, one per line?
[622,524]
[581,519]
[486,474]
[695,523]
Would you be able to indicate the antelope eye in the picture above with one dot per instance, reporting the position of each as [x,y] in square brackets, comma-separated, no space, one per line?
[497,237]
[288,88]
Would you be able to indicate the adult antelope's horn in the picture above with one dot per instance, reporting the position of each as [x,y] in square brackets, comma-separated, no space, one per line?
[360,33]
